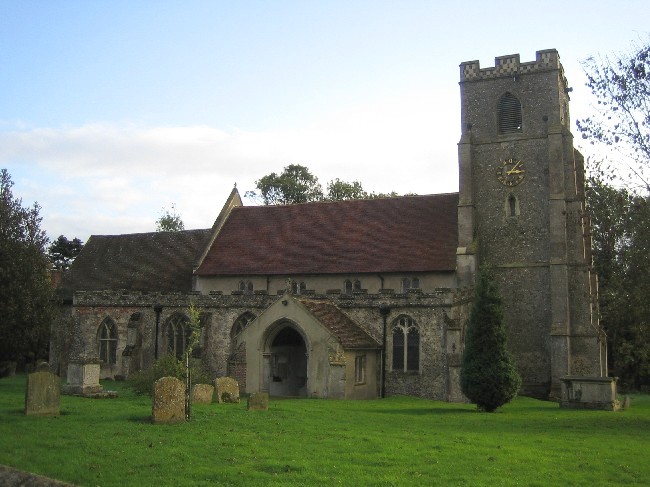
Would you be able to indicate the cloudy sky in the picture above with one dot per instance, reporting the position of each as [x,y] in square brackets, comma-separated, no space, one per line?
[111,111]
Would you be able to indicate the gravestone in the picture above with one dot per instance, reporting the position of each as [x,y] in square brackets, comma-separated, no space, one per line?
[227,390]
[7,369]
[258,401]
[168,401]
[589,393]
[83,379]
[42,394]
[202,393]
[42,366]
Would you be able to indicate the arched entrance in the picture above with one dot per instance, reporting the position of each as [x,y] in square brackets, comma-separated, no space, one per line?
[285,363]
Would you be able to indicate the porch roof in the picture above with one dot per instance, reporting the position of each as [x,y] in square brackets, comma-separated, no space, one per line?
[349,333]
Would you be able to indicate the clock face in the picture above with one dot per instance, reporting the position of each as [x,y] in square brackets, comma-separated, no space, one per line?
[511,172]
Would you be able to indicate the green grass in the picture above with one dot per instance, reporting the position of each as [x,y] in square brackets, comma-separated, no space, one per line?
[394,441]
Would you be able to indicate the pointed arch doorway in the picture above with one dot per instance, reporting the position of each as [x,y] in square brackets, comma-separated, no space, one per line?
[285,362]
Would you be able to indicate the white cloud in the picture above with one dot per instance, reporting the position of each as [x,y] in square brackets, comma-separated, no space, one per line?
[108,178]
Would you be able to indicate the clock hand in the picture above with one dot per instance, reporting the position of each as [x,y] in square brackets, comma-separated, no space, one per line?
[513,169]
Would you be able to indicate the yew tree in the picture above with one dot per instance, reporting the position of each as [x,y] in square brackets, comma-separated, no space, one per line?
[488,376]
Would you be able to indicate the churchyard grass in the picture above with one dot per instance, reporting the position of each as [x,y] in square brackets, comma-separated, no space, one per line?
[394,441]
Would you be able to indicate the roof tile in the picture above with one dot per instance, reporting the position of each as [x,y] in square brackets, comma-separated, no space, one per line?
[401,234]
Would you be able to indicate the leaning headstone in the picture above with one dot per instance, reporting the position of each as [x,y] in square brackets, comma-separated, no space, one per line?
[202,393]
[42,394]
[227,389]
[258,401]
[168,401]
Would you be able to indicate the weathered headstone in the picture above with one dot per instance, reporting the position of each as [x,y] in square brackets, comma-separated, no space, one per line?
[83,378]
[43,394]
[202,393]
[7,369]
[589,393]
[42,367]
[227,389]
[168,401]
[258,401]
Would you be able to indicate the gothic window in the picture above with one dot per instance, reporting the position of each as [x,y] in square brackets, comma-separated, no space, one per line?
[408,283]
[509,119]
[406,345]
[246,287]
[350,286]
[347,286]
[107,342]
[360,369]
[298,287]
[178,334]
[512,206]
[241,323]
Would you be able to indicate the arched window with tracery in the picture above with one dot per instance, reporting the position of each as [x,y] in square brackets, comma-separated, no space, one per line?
[298,287]
[246,287]
[241,323]
[406,345]
[177,334]
[509,119]
[107,342]
[347,286]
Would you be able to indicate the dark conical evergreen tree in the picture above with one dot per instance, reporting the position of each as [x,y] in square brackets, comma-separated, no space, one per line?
[488,375]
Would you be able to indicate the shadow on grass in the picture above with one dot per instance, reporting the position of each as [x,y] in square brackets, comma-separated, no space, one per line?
[137,418]
[423,411]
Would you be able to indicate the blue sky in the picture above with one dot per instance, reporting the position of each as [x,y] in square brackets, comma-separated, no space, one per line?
[112,110]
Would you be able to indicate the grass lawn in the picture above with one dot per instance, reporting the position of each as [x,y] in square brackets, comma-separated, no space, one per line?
[393,441]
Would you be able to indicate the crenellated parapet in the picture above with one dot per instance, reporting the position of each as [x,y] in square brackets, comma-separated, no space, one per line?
[510,65]
[133,299]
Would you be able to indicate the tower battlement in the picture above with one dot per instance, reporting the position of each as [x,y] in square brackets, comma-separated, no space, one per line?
[510,65]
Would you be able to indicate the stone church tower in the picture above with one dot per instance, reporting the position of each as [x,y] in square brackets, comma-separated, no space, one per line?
[521,213]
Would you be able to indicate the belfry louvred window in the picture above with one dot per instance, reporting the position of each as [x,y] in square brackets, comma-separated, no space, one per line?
[509,119]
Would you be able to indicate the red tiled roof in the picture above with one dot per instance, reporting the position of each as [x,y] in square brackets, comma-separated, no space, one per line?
[349,333]
[402,234]
[157,261]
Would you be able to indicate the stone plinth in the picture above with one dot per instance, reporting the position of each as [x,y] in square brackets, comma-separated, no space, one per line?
[202,393]
[227,389]
[168,401]
[83,379]
[589,393]
[42,395]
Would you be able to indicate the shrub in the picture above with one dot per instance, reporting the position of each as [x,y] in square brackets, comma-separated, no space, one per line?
[488,375]
[166,366]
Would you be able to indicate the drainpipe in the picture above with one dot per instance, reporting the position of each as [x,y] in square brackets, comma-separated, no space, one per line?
[384,309]
[158,309]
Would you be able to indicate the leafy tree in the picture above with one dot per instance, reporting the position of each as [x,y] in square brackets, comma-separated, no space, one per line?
[620,228]
[488,374]
[194,324]
[62,252]
[294,185]
[170,221]
[25,288]
[621,120]
[338,190]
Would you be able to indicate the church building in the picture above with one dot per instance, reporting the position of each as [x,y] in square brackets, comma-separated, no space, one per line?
[361,299]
